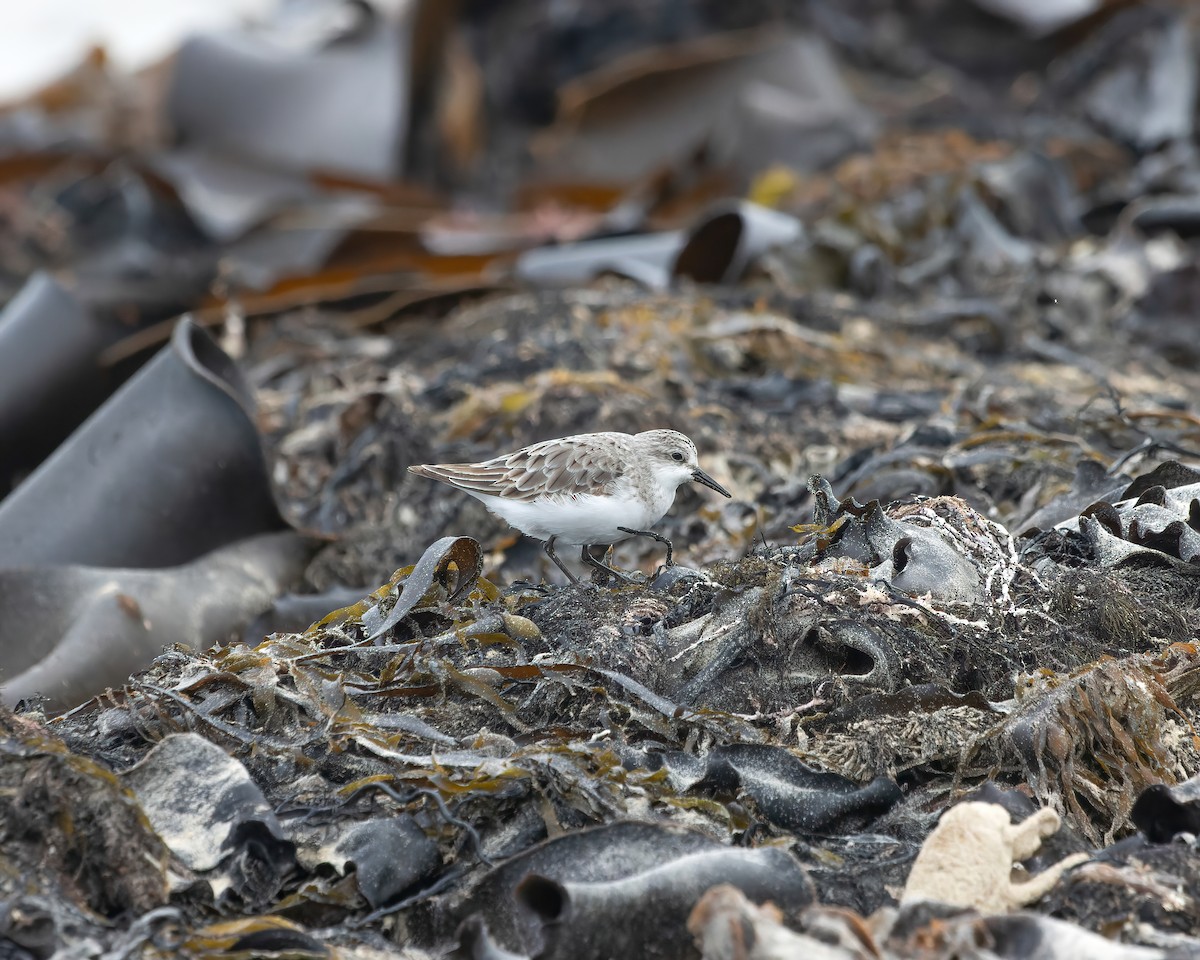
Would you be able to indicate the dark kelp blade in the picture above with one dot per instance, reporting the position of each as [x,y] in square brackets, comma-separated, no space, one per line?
[168,469]
[68,632]
[435,562]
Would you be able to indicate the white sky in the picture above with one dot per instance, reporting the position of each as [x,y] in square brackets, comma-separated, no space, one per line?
[41,39]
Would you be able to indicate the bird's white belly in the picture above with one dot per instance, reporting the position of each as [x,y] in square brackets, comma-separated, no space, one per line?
[577,520]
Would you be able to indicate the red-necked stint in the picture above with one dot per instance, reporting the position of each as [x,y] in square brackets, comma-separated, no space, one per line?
[587,490]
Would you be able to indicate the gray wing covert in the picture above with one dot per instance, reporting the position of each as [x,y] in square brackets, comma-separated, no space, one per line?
[539,470]
[554,467]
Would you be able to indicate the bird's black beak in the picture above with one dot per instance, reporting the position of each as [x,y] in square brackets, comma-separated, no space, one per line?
[701,477]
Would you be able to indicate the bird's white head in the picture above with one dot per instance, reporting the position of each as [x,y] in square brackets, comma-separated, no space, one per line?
[673,459]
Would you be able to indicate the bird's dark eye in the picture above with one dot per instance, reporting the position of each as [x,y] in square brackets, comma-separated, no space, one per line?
[677,456]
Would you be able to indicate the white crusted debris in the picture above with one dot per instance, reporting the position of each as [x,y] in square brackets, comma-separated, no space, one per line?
[968,859]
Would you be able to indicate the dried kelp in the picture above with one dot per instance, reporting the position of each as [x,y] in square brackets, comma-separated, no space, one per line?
[1096,740]
[469,714]
[73,832]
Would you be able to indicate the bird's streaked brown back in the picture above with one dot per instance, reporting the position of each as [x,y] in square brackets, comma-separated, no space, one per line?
[540,470]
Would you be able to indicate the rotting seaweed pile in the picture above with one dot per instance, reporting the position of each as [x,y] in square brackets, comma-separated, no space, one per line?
[516,768]
[927,687]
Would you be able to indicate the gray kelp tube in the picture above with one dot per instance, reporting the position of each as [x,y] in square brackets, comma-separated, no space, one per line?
[68,632]
[49,378]
[646,914]
[153,524]
[168,469]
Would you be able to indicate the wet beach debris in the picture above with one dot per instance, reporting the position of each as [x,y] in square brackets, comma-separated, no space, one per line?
[466,714]
[726,924]
[787,695]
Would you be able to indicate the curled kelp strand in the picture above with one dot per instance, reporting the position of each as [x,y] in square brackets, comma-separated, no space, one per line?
[463,553]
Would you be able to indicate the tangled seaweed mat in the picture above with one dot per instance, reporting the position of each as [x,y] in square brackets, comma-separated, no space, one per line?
[514,769]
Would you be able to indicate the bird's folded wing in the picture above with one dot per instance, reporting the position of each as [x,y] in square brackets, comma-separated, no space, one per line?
[543,470]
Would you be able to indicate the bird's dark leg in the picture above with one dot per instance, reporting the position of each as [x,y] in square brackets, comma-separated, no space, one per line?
[657,536]
[586,556]
[549,548]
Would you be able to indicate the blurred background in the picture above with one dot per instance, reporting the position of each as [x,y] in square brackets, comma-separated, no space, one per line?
[41,41]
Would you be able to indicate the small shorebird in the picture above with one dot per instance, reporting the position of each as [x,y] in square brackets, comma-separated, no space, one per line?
[587,490]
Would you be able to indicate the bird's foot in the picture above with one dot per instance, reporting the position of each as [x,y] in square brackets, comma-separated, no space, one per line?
[670,561]
[609,572]
[518,586]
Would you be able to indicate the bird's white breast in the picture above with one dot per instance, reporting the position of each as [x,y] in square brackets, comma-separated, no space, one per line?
[582,518]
